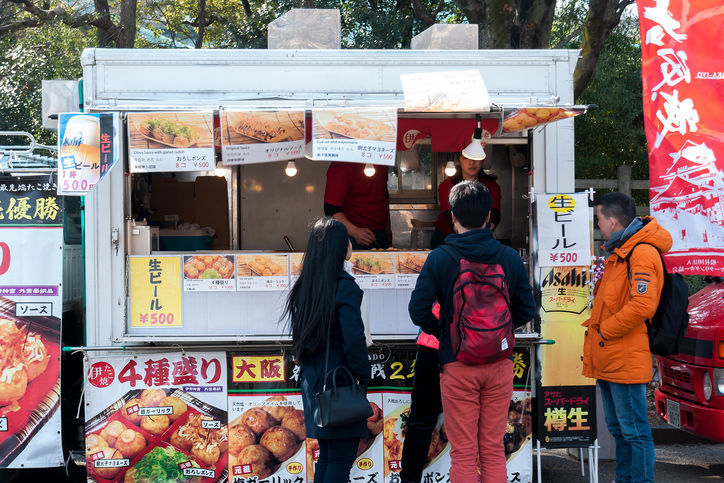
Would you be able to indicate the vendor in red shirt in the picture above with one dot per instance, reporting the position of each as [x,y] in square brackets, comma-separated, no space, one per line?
[468,169]
[361,202]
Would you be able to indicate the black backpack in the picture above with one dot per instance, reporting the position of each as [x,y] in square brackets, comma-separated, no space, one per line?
[668,325]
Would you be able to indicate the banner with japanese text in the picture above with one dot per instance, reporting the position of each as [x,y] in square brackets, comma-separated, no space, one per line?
[88,147]
[261,136]
[267,436]
[31,310]
[564,229]
[683,96]
[156,416]
[155,291]
[355,135]
[170,141]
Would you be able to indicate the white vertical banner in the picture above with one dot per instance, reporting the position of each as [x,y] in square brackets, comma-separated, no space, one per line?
[564,235]
[31,309]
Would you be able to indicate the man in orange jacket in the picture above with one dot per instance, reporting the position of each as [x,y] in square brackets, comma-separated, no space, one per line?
[616,345]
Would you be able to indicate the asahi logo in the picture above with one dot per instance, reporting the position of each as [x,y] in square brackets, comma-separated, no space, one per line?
[570,278]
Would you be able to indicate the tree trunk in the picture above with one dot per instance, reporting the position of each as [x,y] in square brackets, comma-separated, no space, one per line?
[104,33]
[601,19]
[202,24]
[535,23]
[127,31]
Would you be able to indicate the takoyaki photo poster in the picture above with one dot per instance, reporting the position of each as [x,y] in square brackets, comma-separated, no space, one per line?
[267,435]
[31,308]
[261,136]
[156,416]
[170,141]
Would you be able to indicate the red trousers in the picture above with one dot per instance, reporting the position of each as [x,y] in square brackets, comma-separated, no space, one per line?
[475,402]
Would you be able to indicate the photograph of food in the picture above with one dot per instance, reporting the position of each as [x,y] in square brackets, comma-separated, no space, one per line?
[533,116]
[296,260]
[520,426]
[410,263]
[373,263]
[262,266]
[156,443]
[208,267]
[29,376]
[155,130]
[261,126]
[263,438]
[374,429]
[369,125]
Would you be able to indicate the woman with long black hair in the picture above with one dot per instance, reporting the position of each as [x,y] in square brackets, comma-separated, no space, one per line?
[326,300]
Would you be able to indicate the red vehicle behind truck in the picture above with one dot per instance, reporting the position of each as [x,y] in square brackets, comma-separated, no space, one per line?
[691,391]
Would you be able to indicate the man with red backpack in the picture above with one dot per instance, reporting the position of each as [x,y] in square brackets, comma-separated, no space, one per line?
[484,293]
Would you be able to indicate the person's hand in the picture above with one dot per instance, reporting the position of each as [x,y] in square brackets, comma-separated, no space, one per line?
[363,236]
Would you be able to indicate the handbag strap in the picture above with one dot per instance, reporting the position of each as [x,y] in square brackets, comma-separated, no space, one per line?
[326,357]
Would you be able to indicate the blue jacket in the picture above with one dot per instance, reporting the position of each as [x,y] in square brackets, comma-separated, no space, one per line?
[348,348]
[438,276]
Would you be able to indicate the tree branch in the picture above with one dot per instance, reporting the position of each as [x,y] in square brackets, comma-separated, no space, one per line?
[572,36]
[247,8]
[424,14]
[20,25]
[202,24]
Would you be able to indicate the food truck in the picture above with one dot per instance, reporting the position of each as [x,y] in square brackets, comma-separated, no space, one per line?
[213,165]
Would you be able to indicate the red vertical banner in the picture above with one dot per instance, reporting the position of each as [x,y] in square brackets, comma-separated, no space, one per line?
[683,90]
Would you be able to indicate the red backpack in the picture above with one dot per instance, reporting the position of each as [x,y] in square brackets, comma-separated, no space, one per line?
[482,329]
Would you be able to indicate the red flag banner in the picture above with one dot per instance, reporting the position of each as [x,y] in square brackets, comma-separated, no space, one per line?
[683,89]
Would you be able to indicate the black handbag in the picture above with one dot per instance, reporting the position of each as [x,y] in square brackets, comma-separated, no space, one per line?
[340,405]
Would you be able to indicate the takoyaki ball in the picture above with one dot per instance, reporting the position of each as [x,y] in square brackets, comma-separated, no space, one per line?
[278,412]
[374,422]
[190,270]
[294,422]
[155,424]
[36,356]
[257,420]
[130,443]
[112,431]
[95,440]
[259,458]
[111,472]
[184,437]
[179,407]
[131,417]
[151,398]
[207,453]
[280,441]
[240,436]
[221,436]
[13,382]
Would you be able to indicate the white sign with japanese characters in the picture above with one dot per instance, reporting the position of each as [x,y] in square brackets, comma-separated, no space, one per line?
[355,135]
[564,229]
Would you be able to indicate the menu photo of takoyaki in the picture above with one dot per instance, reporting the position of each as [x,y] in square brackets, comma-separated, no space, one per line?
[155,130]
[208,267]
[153,435]
[410,263]
[532,116]
[373,263]
[261,126]
[29,376]
[262,265]
[394,428]
[266,439]
[295,261]
[378,125]
[374,426]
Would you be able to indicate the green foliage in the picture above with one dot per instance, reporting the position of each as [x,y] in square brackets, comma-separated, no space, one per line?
[49,52]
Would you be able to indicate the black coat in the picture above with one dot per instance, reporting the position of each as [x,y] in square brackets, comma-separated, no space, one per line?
[348,348]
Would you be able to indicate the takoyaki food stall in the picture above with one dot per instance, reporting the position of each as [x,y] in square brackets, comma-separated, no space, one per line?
[197,230]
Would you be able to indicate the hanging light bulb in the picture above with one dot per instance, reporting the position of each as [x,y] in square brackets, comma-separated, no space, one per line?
[474,150]
[291,169]
[369,170]
[450,169]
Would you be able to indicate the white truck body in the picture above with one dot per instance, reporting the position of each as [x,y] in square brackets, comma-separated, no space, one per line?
[139,80]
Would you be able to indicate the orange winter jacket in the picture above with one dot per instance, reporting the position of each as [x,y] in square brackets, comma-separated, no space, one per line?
[616,344]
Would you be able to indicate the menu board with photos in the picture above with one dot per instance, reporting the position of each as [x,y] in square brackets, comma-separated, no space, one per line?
[261,136]
[170,141]
[262,271]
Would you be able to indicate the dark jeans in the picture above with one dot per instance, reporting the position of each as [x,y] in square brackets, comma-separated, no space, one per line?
[425,408]
[625,408]
[336,457]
